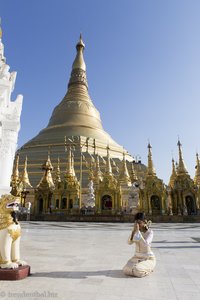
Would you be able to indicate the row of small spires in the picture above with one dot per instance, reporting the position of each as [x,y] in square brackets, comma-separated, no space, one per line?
[124,176]
[177,170]
[47,167]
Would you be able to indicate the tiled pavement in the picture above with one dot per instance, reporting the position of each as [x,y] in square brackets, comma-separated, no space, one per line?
[83,261]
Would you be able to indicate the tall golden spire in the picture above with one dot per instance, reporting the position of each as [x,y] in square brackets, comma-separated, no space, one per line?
[109,180]
[58,173]
[46,181]
[150,168]
[181,166]
[70,163]
[25,178]
[173,175]
[133,175]
[70,176]
[78,74]
[79,62]
[15,182]
[197,173]
[124,175]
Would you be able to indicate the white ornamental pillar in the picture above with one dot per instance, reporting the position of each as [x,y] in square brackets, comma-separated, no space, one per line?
[10,112]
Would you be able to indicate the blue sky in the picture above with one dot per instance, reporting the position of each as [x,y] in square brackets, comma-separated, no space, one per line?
[143,68]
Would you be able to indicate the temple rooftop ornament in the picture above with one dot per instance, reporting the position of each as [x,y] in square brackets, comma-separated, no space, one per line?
[173,175]
[150,168]
[181,165]
[124,176]
[25,178]
[46,182]
[79,60]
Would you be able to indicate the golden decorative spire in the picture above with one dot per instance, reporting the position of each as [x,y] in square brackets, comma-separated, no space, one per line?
[47,166]
[133,175]
[181,166]
[150,168]
[173,175]
[109,181]
[79,60]
[58,173]
[46,181]
[197,173]
[25,179]
[70,176]
[98,176]
[78,74]
[16,187]
[124,175]
[70,163]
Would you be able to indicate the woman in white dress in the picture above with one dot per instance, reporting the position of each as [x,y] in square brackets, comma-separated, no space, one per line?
[144,261]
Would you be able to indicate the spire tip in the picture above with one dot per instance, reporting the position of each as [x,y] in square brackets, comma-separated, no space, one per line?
[80,43]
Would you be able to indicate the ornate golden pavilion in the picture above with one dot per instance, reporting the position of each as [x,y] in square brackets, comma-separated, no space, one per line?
[74,158]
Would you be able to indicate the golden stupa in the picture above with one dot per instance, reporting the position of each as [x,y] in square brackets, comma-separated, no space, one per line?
[75,122]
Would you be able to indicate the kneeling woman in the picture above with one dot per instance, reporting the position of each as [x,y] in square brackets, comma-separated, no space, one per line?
[144,261]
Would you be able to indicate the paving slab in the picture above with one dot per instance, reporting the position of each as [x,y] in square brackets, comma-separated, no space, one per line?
[84,261]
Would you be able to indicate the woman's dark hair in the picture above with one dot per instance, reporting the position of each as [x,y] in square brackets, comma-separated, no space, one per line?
[140,216]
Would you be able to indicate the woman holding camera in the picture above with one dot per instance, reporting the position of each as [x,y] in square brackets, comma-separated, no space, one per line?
[144,261]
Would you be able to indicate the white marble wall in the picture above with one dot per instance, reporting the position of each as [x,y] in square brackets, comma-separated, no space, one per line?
[10,112]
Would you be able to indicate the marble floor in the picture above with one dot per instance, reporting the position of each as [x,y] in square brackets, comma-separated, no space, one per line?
[83,261]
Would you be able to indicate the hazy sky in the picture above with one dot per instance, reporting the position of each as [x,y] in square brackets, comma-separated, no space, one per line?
[143,68]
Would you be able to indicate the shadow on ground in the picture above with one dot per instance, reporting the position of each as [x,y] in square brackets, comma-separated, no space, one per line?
[80,274]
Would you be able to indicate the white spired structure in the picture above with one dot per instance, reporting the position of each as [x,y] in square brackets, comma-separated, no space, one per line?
[9,121]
